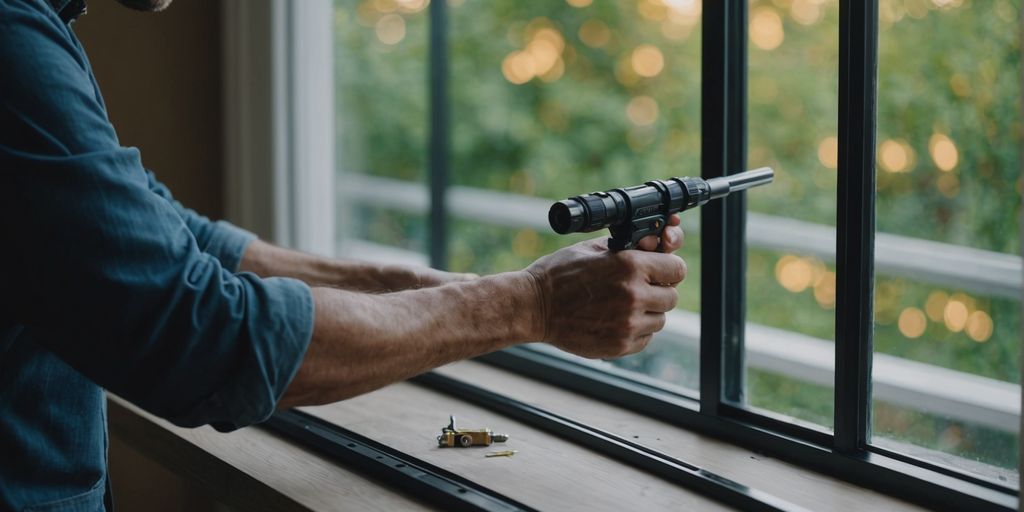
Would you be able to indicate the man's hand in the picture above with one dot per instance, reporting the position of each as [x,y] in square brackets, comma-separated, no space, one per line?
[597,303]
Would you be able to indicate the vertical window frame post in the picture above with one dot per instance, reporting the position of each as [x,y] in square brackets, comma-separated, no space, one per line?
[723,245]
[439,148]
[855,222]
[733,348]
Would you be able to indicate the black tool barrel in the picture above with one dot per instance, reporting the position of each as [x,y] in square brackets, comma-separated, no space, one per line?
[647,205]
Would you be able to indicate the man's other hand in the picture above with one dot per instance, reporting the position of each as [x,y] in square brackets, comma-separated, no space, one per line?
[601,304]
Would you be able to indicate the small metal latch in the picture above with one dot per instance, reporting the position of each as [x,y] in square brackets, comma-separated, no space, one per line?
[451,436]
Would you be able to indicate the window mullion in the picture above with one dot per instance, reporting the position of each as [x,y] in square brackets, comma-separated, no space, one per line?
[439,148]
[855,223]
[735,262]
[712,163]
[723,149]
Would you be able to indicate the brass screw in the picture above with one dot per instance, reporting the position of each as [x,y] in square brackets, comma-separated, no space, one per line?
[506,453]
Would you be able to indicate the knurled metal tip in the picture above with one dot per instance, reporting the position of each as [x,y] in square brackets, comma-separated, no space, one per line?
[499,438]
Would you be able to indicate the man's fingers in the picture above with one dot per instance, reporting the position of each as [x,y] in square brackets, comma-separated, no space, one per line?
[648,243]
[659,299]
[672,239]
[639,343]
[674,220]
[650,324]
[660,268]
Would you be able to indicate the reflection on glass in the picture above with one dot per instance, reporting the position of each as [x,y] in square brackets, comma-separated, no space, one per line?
[380,71]
[558,98]
[792,120]
[948,182]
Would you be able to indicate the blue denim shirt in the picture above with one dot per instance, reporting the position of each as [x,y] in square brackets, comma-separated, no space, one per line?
[107,282]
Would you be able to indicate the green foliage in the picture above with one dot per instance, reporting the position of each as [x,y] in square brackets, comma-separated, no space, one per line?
[956,73]
[563,137]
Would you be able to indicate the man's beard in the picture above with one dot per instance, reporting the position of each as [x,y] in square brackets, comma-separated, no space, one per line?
[146,5]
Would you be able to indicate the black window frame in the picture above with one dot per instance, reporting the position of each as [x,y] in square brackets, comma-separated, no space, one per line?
[845,453]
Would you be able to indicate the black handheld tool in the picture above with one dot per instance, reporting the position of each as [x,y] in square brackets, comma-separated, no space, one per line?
[635,212]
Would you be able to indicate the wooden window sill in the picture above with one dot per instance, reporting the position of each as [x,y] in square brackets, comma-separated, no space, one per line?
[252,469]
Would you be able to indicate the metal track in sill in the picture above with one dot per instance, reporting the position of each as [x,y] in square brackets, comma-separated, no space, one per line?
[671,469]
[422,480]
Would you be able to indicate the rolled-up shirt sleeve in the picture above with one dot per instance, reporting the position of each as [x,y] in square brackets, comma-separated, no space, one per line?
[106,272]
[223,240]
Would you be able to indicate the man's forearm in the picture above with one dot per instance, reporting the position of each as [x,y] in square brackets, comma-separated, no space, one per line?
[362,342]
[583,299]
[266,260]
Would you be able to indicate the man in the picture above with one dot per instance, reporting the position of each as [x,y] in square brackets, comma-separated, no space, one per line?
[107,282]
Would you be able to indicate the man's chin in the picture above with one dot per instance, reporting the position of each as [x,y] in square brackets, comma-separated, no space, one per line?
[146,5]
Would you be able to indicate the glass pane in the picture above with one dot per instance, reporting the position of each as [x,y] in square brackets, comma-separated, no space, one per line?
[381,96]
[947,335]
[553,99]
[792,99]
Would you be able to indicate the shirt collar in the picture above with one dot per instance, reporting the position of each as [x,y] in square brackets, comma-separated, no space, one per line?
[68,10]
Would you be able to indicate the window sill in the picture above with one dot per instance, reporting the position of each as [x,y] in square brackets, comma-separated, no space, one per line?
[254,470]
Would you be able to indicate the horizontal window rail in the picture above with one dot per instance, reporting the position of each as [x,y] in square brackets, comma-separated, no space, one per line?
[987,273]
[911,384]
[937,486]
[898,381]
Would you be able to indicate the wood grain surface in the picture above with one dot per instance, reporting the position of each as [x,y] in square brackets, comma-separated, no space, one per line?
[789,482]
[252,469]
[546,473]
